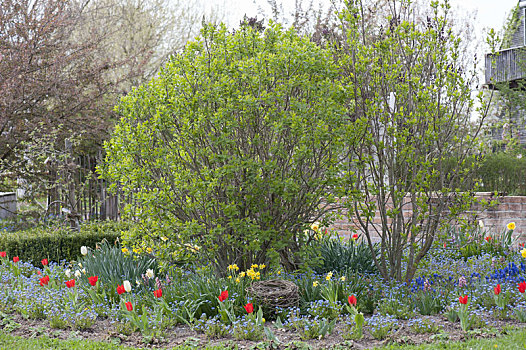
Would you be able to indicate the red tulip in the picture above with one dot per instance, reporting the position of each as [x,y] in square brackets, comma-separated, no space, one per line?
[120,289]
[496,290]
[15,259]
[44,280]
[352,300]
[158,293]
[223,296]
[44,262]
[93,280]
[522,287]
[488,238]
[129,306]
[355,236]
[70,283]
[3,254]
[463,300]
[249,308]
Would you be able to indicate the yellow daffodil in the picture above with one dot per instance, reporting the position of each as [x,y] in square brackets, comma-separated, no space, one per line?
[342,278]
[315,283]
[137,250]
[262,266]
[242,274]
[315,226]
[279,272]
[149,250]
[511,226]
[229,277]
[164,239]
[329,276]
[523,253]
[238,280]
[254,266]
[125,250]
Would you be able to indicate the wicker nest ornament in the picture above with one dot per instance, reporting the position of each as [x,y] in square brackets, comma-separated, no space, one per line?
[275,293]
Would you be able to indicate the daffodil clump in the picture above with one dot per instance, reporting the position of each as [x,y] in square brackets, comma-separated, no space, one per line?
[253,273]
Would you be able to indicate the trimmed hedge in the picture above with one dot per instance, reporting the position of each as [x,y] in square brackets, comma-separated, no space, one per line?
[503,173]
[59,243]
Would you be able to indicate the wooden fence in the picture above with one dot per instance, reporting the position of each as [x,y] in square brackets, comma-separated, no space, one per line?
[78,192]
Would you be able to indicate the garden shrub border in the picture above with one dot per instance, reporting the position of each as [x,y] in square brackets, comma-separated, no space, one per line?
[59,243]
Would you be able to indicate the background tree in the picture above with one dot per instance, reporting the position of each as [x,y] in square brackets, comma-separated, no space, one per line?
[235,147]
[63,66]
[412,95]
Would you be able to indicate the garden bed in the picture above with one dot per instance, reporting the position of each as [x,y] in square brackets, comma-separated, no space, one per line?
[472,287]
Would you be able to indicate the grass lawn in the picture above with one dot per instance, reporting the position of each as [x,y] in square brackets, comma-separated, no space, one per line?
[515,340]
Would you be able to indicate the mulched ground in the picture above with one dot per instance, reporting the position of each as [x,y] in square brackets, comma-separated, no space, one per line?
[104,331]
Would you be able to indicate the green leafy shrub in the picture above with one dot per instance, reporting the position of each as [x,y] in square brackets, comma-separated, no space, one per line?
[59,243]
[235,146]
[341,256]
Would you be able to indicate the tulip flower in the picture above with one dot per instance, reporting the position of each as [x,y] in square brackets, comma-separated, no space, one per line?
[223,296]
[496,290]
[249,308]
[84,250]
[523,253]
[127,286]
[3,254]
[44,280]
[463,299]
[355,236]
[93,280]
[70,283]
[522,287]
[158,293]
[352,300]
[44,262]
[488,238]
[15,259]
[120,289]
[129,306]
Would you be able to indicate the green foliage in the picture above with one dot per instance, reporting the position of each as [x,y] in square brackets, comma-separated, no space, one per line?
[503,173]
[113,266]
[235,146]
[312,328]
[422,326]
[430,302]
[473,240]
[58,243]
[396,308]
[341,256]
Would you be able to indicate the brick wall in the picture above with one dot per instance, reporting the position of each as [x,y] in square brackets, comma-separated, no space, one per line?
[509,209]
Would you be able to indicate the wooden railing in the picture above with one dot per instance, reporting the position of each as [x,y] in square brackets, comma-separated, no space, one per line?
[506,66]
